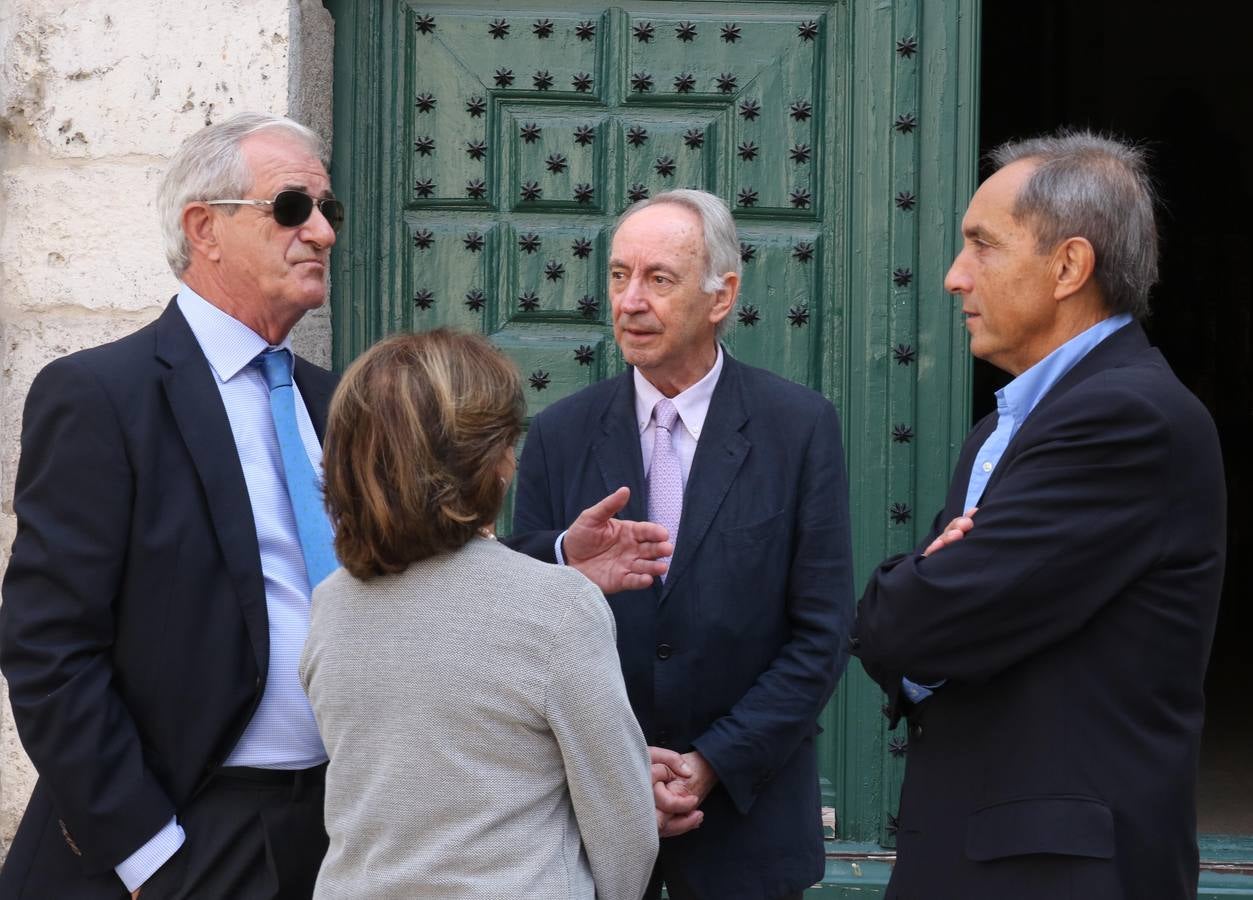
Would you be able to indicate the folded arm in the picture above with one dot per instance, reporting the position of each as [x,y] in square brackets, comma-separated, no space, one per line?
[1037,564]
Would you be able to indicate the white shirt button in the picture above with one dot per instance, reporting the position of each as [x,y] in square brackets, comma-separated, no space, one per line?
[987,466]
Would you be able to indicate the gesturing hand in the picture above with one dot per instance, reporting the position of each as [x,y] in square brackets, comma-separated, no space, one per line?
[616,555]
[953,532]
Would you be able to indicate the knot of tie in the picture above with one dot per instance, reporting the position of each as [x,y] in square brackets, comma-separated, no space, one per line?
[665,413]
[276,366]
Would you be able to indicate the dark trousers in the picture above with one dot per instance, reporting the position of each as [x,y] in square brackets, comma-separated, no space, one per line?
[251,835]
[678,889]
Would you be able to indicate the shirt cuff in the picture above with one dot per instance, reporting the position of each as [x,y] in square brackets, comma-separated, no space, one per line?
[918,692]
[561,559]
[144,862]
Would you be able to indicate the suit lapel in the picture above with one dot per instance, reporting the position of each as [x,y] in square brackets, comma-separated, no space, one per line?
[720,453]
[1113,351]
[617,449]
[201,419]
[316,393]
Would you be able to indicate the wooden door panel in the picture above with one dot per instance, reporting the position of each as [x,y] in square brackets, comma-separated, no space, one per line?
[535,129]
[449,276]
[485,152]
[774,325]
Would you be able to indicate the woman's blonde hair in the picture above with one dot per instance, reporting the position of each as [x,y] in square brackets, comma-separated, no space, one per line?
[416,434]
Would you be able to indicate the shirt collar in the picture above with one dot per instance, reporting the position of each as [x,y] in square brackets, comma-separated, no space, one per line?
[1021,395]
[692,404]
[228,343]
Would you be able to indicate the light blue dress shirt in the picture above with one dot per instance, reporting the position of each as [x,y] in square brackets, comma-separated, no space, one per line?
[282,733]
[1014,403]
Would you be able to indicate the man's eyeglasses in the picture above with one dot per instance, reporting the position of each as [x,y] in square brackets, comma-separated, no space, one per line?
[293,208]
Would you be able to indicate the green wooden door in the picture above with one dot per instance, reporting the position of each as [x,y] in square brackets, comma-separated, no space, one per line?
[486,150]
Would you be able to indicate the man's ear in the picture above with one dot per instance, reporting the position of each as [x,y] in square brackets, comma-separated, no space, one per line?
[1074,261]
[724,297]
[200,227]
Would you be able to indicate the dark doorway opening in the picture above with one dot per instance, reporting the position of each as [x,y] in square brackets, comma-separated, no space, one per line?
[1176,79]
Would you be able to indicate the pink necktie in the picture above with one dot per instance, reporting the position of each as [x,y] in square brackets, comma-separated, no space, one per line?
[665,476]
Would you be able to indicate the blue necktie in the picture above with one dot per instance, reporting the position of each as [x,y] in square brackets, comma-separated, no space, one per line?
[312,525]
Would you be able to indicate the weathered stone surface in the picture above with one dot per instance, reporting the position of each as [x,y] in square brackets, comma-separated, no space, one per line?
[311,65]
[73,247]
[311,337]
[105,78]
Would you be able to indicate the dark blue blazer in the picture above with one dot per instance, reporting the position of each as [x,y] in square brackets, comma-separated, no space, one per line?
[1073,626]
[133,633]
[737,653]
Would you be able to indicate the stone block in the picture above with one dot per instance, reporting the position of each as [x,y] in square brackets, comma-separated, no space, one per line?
[101,78]
[83,236]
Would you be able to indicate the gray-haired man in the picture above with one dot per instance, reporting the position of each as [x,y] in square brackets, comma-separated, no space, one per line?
[1049,648]
[730,659]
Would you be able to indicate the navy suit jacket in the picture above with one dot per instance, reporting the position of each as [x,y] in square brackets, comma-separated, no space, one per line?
[736,654]
[133,633]
[1073,625]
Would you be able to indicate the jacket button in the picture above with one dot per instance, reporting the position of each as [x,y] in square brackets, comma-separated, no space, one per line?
[915,731]
[854,642]
[662,737]
[664,651]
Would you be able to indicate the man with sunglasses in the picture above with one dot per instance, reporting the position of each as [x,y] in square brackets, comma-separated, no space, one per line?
[170,531]
[157,598]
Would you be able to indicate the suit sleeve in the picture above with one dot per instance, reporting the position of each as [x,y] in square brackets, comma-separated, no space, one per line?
[73,502]
[780,710]
[603,750]
[1074,518]
[890,682]
[535,514]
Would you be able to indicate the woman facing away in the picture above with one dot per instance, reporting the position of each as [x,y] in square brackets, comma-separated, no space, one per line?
[470,698]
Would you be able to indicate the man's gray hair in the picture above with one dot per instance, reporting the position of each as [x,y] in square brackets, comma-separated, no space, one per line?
[722,244]
[1098,188]
[210,166]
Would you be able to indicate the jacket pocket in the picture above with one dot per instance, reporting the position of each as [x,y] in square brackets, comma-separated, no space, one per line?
[755,532]
[1068,825]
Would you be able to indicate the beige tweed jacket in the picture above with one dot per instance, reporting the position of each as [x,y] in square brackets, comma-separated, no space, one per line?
[480,739]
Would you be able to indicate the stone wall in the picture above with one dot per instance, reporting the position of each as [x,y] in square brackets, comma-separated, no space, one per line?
[94,97]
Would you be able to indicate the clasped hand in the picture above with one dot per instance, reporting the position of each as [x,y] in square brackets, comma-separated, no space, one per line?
[681,782]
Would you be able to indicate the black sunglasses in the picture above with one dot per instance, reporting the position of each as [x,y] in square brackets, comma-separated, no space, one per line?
[293,208]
